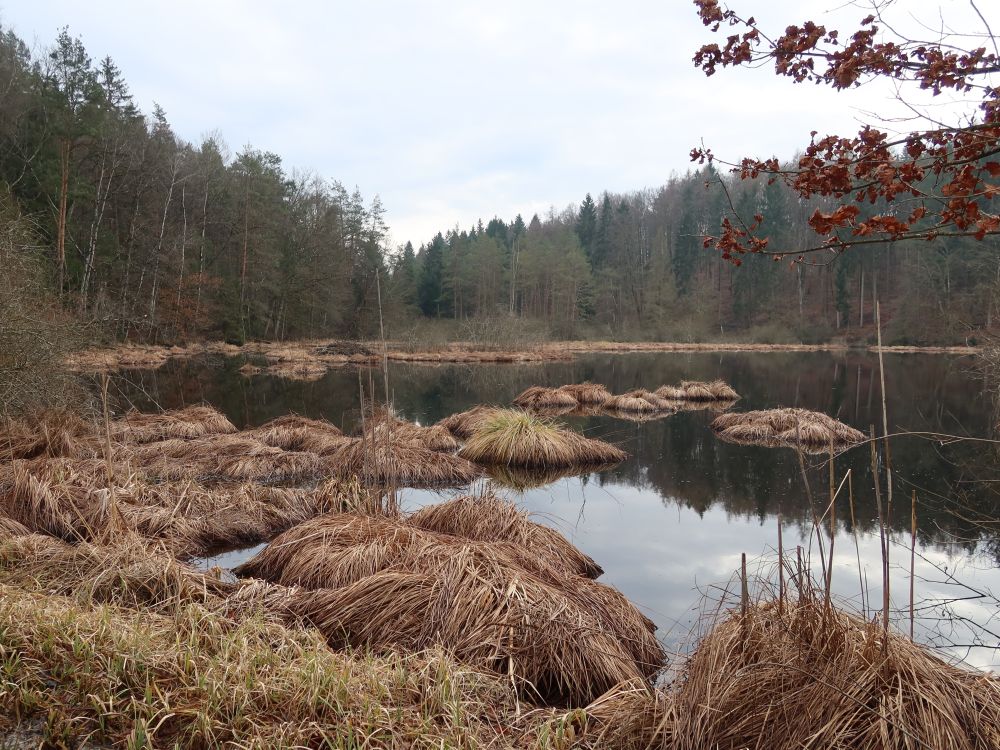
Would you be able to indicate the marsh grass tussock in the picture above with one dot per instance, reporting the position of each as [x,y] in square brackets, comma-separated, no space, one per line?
[50,433]
[380,582]
[517,438]
[786,427]
[587,393]
[811,675]
[488,517]
[192,422]
[630,404]
[376,463]
[696,390]
[384,428]
[464,424]
[294,433]
[537,396]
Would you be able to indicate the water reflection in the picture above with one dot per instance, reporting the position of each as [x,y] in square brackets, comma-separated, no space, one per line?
[672,520]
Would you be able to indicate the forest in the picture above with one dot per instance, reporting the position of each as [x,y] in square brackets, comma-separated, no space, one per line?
[150,238]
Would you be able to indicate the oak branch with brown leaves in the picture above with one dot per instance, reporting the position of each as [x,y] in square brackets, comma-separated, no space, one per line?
[936,180]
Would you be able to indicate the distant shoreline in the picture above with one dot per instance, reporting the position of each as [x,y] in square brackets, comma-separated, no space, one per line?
[310,358]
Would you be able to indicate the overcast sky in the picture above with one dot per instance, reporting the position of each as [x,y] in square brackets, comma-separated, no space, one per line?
[452,111]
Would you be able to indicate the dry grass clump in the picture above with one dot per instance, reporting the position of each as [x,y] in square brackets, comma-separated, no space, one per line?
[587,393]
[536,396]
[661,404]
[465,423]
[812,676]
[375,463]
[127,571]
[294,433]
[9,527]
[236,458]
[366,558]
[192,422]
[307,371]
[53,432]
[384,428]
[517,438]
[794,427]
[488,518]
[74,500]
[105,675]
[630,404]
[696,390]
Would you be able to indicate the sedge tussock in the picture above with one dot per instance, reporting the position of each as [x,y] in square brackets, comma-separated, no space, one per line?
[237,458]
[517,438]
[661,404]
[537,396]
[294,433]
[794,427]
[465,423]
[383,428]
[128,572]
[192,422]
[341,551]
[488,518]
[696,390]
[378,464]
[307,371]
[74,500]
[587,392]
[808,675]
[49,433]
[626,404]
[9,527]
[90,671]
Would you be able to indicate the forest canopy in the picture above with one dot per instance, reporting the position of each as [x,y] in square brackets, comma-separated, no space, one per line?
[152,238]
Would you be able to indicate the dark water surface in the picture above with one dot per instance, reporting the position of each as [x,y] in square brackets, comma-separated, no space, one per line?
[669,524]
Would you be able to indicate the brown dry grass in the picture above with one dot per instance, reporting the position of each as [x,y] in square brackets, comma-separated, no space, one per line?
[375,463]
[192,422]
[587,393]
[696,390]
[812,676]
[629,404]
[537,396]
[464,424]
[54,432]
[294,433]
[517,438]
[488,518]
[236,458]
[775,427]
[383,583]
[660,403]
[384,428]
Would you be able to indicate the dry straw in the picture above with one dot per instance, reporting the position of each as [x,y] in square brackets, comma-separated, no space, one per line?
[517,438]
[794,427]
[696,390]
[383,428]
[587,393]
[812,676]
[537,396]
[465,423]
[488,518]
[377,463]
[294,433]
[192,422]
[384,583]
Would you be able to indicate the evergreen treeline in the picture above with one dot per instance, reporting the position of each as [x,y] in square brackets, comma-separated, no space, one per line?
[162,240]
[634,266]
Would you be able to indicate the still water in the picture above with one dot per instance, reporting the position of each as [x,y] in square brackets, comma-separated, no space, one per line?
[669,524]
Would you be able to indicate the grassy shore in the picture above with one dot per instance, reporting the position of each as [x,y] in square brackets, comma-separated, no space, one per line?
[309,360]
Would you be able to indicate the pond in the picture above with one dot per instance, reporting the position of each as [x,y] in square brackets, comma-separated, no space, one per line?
[669,525]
